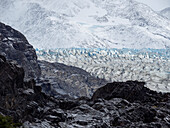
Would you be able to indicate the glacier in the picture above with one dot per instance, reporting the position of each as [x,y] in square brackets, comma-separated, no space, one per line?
[149,65]
[87,23]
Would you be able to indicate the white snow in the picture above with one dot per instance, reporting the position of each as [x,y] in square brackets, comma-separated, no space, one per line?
[28,91]
[87,23]
[165,12]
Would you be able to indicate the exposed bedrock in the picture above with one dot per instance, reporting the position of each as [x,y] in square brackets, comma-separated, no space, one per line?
[118,104]
[14,46]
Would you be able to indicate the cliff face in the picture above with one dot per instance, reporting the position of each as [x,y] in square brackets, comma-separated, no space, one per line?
[14,46]
[23,100]
[15,94]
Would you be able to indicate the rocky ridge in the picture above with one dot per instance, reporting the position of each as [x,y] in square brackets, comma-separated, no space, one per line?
[57,78]
[114,105]
[14,46]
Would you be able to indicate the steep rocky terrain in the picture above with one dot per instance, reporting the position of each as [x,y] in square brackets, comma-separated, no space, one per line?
[114,105]
[57,78]
[21,100]
[14,46]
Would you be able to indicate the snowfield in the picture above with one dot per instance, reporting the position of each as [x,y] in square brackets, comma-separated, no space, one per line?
[87,23]
[165,12]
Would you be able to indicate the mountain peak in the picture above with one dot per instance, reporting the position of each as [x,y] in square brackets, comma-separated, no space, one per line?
[87,23]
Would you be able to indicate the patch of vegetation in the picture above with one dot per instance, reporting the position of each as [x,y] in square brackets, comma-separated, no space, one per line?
[7,122]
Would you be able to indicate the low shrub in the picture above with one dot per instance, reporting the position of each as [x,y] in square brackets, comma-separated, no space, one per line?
[7,122]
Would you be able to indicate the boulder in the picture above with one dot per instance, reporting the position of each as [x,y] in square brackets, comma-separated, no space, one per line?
[132,91]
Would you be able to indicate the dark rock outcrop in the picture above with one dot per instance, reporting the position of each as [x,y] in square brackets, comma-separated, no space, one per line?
[122,104]
[25,102]
[14,46]
[22,100]
[57,78]
[132,91]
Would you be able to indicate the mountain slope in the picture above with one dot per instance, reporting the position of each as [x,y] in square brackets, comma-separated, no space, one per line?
[87,23]
[57,78]
[14,46]
[166,12]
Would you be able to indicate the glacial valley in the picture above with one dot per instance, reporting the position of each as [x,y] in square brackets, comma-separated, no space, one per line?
[149,65]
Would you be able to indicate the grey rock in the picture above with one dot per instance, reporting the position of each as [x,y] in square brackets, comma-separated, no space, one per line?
[39,110]
[14,46]
[61,79]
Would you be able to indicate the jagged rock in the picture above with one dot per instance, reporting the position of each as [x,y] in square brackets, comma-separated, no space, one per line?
[130,90]
[11,77]
[21,100]
[14,46]
[25,102]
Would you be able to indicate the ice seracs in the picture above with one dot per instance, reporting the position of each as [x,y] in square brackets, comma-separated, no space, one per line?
[149,65]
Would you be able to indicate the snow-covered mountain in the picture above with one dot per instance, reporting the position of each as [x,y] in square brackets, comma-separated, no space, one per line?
[166,13]
[149,65]
[87,23]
